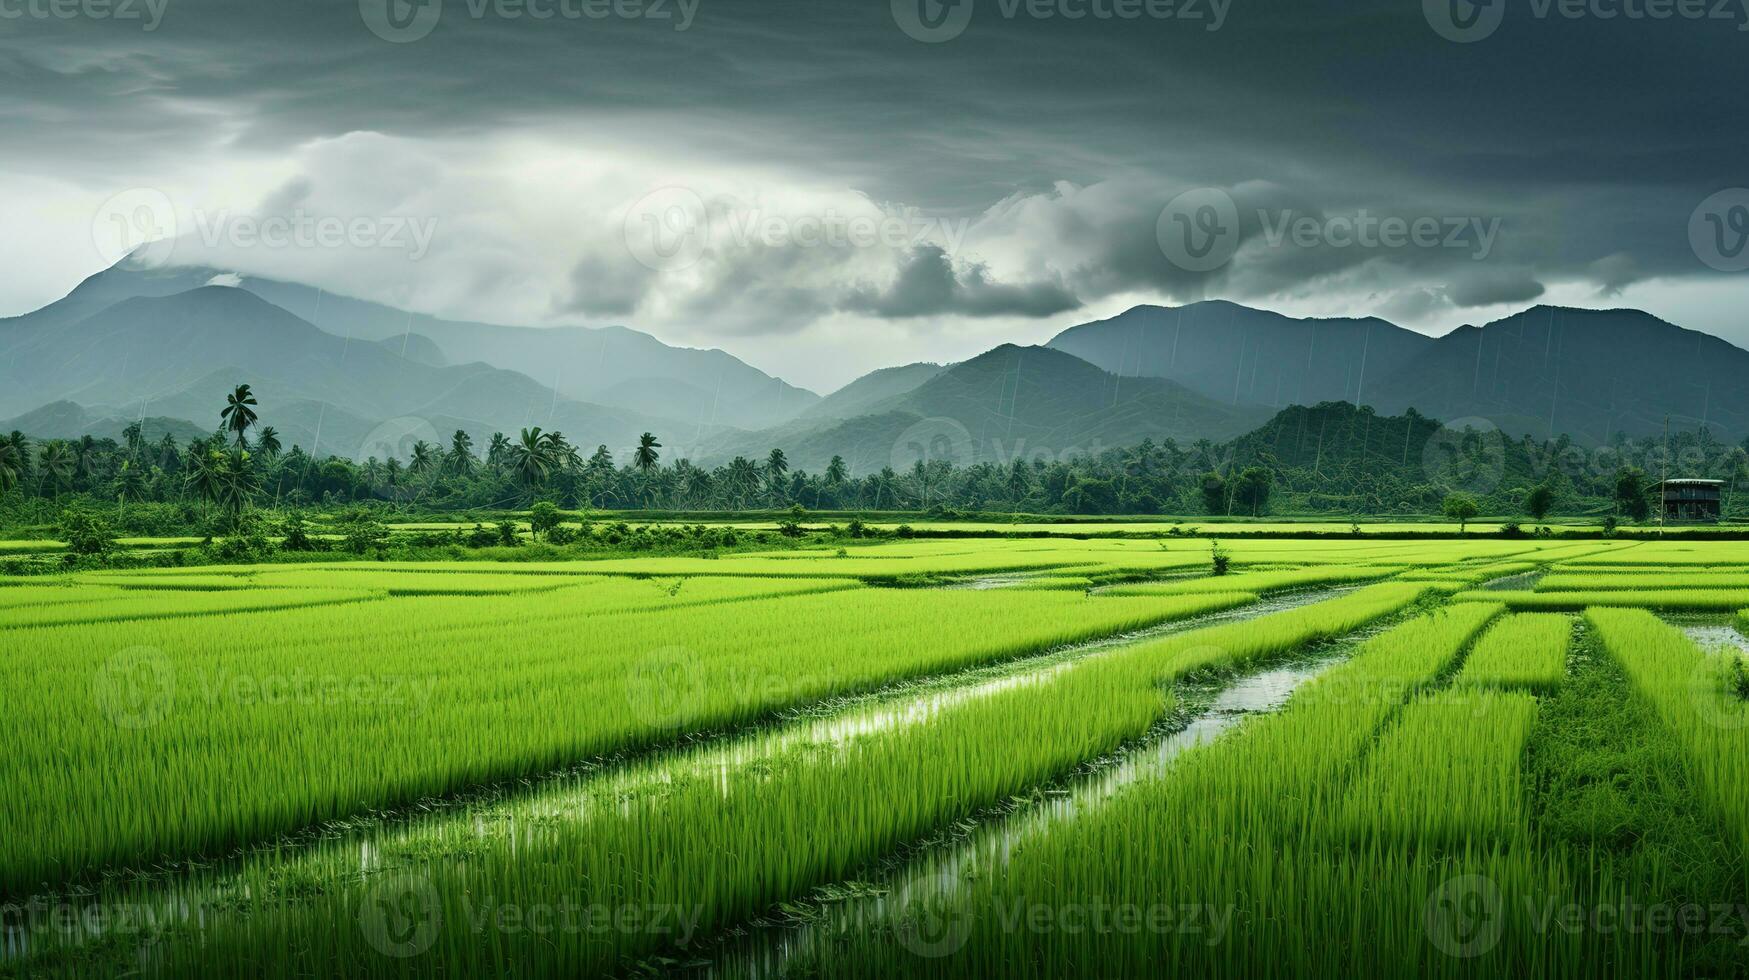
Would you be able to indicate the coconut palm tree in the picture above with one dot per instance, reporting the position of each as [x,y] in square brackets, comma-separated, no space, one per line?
[11,466]
[646,458]
[743,477]
[531,458]
[461,453]
[20,444]
[239,413]
[497,453]
[57,464]
[130,484]
[268,443]
[423,460]
[204,473]
[87,456]
[776,465]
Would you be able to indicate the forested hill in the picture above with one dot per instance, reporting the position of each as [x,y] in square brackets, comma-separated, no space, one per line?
[1335,456]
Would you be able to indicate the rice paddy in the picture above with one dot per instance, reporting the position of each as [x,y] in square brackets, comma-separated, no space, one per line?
[957,758]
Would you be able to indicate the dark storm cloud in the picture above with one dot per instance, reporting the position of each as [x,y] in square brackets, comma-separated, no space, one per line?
[1591,140]
[928,285]
[1493,287]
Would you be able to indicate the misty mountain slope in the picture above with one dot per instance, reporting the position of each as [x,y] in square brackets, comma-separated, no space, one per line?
[1011,402]
[590,364]
[66,420]
[1238,355]
[586,364]
[178,355]
[871,389]
[1586,373]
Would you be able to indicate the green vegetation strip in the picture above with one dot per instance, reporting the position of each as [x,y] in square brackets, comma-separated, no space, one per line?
[172,604]
[727,845]
[1447,772]
[128,741]
[1697,694]
[1526,650]
[1215,851]
[1692,599]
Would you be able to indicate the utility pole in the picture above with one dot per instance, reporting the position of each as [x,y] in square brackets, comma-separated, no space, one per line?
[1664,481]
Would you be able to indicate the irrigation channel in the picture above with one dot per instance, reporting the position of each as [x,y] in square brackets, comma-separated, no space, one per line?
[186,898]
[931,878]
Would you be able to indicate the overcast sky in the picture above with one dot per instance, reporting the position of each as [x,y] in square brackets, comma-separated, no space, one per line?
[823,187]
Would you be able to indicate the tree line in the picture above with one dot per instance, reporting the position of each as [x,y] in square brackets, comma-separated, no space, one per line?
[1332,458]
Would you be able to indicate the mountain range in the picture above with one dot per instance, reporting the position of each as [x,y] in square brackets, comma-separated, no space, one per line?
[351,377]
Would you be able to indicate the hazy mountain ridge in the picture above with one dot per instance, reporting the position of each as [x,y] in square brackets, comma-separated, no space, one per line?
[1008,403]
[1238,355]
[177,356]
[1591,372]
[583,363]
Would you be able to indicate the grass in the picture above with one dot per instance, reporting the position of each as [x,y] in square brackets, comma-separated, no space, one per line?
[1447,772]
[1694,692]
[1559,761]
[1526,650]
[729,833]
[174,737]
[1717,600]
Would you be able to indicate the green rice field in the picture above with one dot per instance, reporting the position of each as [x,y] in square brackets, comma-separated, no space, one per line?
[1066,755]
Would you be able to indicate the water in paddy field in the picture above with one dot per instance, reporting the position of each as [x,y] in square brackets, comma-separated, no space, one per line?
[1717,637]
[1524,580]
[185,898]
[938,875]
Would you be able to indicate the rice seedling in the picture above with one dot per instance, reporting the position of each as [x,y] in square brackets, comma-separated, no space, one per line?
[1202,851]
[201,740]
[1257,581]
[1694,692]
[727,834]
[1593,582]
[1446,772]
[1684,599]
[140,605]
[1526,650]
